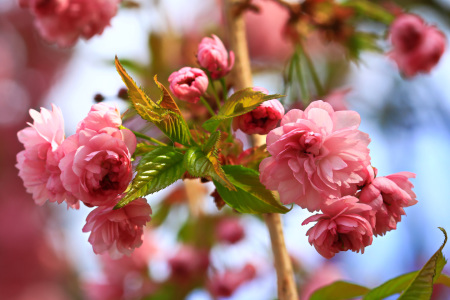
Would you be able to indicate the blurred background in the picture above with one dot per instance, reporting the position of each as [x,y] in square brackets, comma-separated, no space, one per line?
[44,254]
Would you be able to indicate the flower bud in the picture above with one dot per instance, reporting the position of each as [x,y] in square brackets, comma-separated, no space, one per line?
[188,84]
[262,119]
[213,56]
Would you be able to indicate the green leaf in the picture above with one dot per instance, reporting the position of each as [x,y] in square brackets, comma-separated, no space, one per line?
[421,287]
[200,164]
[251,195]
[239,103]
[391,287]
[165,114]
[371,10]
[212,144]
[362,41]
[339,290]
[156,170]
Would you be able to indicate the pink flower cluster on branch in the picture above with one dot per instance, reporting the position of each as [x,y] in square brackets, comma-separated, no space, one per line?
[320,161]
[92,166]
[418,47]
[64,22]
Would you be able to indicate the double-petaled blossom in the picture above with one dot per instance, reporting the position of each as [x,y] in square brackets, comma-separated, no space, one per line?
[343,225]
[418,47]
[38,163]
[262,119]
[64,22]
[117,231]
[388,196]
[188,84]
[101,118]
[213,56]
[96,166]
[225,284]
[316,154]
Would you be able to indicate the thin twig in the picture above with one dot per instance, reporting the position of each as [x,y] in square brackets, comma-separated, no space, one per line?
[243,78]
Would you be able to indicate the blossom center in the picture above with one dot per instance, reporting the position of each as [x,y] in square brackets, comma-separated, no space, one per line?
[311,142]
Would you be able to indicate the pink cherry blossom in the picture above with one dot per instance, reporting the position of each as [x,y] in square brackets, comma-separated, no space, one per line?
[342,226]
[188,263]
[117,231]
[97,166]
[64,22]
[225,284]
[262,119]
[38,163]
[101,118]
[213,56]
[230,231]
[418,47]
[388,196]
[188,84]
[316,153]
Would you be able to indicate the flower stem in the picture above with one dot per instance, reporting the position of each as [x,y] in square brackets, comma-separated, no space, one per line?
[303,88]
[208,107]
[145,137]
[243,78]
[213,88]
[224,89]
[313,71]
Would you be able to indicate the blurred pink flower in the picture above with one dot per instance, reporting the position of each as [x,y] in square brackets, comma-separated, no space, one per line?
[262,119]
[266,43]
[96,166]
[229,231]
[316,153]
[213,56]
[188,84]
[342,226]
[101,118]
[118,231]
[188,263]
[225,284]
[388,196]
[418,47]
[64,22]
[38,163]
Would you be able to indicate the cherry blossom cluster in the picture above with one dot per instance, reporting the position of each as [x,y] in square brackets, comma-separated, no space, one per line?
[320,161]
[92,166]
[64,22]
[417,47]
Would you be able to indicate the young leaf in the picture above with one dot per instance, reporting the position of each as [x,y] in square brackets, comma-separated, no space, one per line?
[238,104]
[156,170]
[164,114]
[199,164]
[371,10]
[421,287]
[251,196]
[339,290]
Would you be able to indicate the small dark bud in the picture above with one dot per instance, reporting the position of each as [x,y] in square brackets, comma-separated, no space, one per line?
[123,93]
[99,98]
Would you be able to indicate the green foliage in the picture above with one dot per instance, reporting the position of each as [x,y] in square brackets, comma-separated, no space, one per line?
[157,169]
[165,114]
[370,10]
[415,285]
[421,287]
[200,164]
[339,290]
[250,195]
[362,41]
[239,103]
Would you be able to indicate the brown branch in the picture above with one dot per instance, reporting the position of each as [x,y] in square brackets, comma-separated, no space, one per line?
[242,77]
